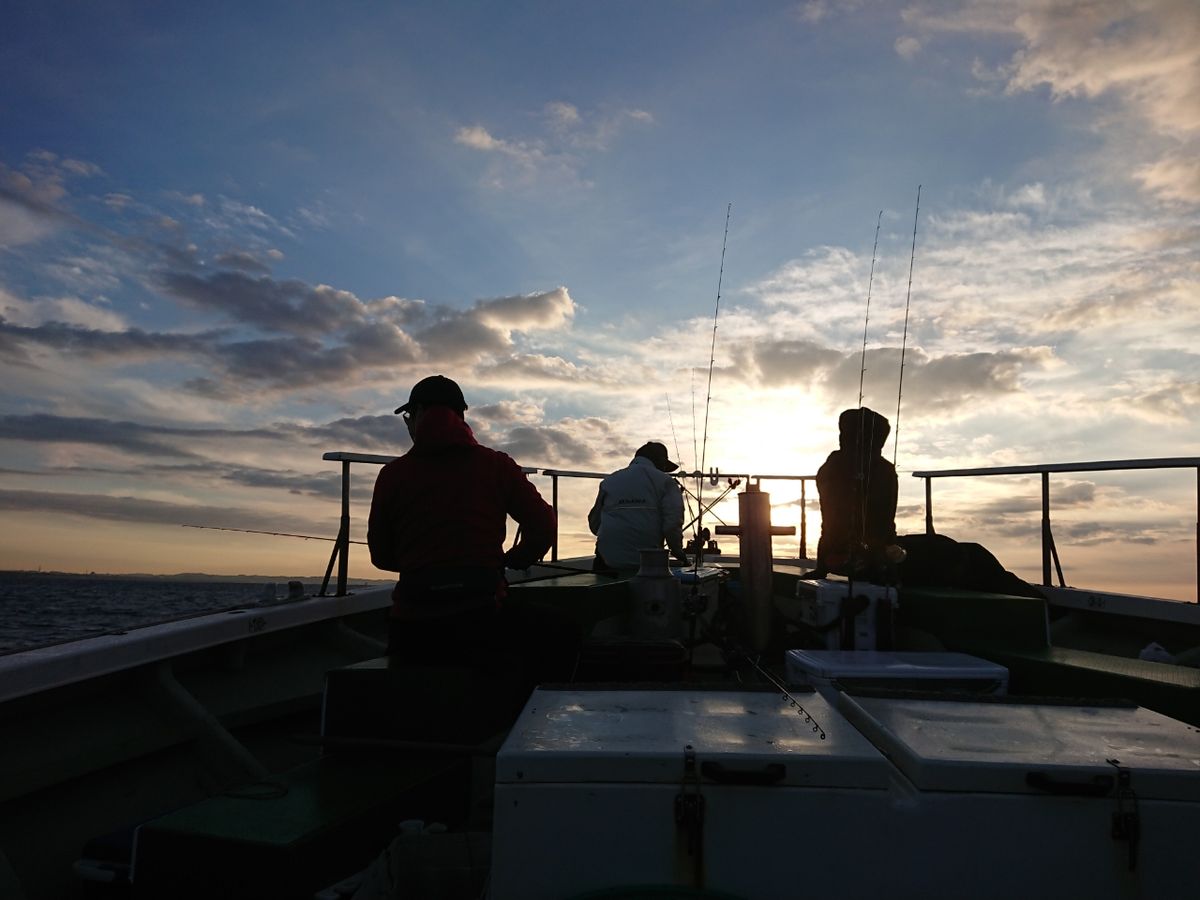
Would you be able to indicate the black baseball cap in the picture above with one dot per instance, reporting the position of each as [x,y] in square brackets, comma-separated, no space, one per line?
[657,454]
[436,390]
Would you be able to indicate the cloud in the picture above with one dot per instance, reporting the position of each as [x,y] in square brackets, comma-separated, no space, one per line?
[289,307]
[1143,56]
[243,262]
[153,512]
[128,346]
[577,443]
[558,154]
[1175,403]
[907,47]
[67,310]
[128,437]
[1172,178]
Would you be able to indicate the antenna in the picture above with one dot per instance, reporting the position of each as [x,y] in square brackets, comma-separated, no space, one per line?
[904,339]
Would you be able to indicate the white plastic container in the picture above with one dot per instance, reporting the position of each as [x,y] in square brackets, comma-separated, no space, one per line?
[835,670]
[821,602]
[903,798]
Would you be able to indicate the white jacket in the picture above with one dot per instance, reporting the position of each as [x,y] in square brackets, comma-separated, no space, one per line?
[637,508]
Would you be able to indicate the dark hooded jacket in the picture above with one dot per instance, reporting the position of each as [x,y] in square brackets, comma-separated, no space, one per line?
[858,489]
[444,504]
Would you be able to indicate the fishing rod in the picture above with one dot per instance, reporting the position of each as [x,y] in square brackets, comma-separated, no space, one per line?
[863,478]
[725,493]
[904,340]
[867,318]
[712,359]
[307,537]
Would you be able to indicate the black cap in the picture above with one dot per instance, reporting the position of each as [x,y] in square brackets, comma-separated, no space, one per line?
[436,390]
[657,454]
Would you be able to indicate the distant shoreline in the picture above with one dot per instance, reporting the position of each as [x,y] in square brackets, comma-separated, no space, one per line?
[181,576]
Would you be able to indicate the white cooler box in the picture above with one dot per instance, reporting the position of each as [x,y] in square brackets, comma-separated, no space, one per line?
[903,798]
[820,603]
[835,670]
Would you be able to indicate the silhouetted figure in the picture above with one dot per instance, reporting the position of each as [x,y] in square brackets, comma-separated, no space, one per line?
[857,488]
[439,518]
[638,508]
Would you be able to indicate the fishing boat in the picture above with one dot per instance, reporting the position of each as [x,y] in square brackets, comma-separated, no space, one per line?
[736,729]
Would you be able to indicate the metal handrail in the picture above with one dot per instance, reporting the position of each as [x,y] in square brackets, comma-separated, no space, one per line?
[1049,551]
[341,546]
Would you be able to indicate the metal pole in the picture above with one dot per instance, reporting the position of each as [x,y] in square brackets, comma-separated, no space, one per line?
[1046,528]
[804,521]
[928,506]
[344,534]
[554,503]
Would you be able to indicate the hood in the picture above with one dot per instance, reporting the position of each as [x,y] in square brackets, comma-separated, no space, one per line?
[874,428]
[440,428]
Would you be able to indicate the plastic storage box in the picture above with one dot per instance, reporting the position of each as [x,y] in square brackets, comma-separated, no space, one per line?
[834,670]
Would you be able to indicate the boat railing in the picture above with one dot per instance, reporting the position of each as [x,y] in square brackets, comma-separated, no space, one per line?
[714,477]
[1049,550]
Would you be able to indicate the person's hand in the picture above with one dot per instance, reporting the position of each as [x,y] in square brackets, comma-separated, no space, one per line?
[515,560]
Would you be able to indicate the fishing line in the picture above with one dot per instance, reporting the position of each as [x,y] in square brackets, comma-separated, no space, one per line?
[678,456]
[863,481]
[307,537]
[904,340]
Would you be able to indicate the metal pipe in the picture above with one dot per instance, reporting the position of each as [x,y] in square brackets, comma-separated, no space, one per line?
[554,503]
[929,506]
[803,521]
[1046,528]
[344,535]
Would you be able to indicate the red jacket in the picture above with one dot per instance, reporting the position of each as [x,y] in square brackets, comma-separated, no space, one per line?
[445,504]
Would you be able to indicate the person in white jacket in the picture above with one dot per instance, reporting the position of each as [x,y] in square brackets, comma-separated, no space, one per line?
[638,508]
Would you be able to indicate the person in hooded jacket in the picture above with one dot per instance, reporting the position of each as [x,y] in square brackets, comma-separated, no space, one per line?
[858,489]
[638,508]
[439,518]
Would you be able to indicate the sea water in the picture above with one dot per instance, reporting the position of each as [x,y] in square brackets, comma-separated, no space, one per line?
[38,609]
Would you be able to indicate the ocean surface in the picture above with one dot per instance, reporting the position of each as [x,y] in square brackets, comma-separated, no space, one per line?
[38,609]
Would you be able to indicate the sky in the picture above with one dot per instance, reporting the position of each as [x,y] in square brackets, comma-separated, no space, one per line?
[232,236]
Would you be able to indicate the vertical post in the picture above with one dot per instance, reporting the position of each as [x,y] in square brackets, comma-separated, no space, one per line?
[344,533]
[1046,528]
[928,505]
[1198,534]
[803,520]
[554,503]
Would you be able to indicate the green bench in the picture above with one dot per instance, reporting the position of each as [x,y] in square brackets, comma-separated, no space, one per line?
[291,835]
[1013,631]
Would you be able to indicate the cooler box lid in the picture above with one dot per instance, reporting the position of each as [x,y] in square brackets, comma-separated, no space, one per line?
[628,736]
[1030,747]
[883,664]
[694,575]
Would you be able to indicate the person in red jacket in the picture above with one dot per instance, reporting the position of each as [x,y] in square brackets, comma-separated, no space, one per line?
[439,518]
